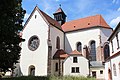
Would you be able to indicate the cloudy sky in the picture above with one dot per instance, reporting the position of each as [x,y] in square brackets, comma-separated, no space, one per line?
[75,9]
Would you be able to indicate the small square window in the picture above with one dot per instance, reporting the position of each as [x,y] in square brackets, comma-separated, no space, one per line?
[73,70]
[75,60]
[77,69]
[101,71]
[35,16]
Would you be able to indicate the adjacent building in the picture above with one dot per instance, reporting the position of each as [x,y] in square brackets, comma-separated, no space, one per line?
[112,64]
[76,65]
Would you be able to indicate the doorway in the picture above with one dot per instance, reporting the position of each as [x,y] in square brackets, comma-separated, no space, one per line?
[94,74]
[32,70]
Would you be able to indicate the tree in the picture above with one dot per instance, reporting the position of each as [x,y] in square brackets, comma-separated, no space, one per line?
[11,18]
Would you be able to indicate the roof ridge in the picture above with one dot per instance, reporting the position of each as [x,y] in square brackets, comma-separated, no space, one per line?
[83,18]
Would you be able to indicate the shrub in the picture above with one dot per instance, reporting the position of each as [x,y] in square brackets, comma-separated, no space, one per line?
[49,78]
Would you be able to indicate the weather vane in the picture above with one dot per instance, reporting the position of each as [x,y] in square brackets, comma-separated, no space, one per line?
[36,4]
[60,5]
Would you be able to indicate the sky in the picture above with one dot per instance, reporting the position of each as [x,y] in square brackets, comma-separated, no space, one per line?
[76,9]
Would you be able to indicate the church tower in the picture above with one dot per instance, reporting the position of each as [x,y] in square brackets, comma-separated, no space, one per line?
[60,16]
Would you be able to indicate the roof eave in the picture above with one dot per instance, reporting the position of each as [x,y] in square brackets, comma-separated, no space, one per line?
[87,28]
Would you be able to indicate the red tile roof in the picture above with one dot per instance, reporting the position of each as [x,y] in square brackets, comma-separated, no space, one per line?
[75,52]
[60,54]
[83,23]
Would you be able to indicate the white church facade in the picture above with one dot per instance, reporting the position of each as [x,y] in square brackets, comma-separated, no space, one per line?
[52,45]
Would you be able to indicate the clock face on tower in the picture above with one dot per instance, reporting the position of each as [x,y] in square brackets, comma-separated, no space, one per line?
[33,43]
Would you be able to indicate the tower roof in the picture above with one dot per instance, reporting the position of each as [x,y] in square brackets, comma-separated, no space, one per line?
[59,10]
[85,23]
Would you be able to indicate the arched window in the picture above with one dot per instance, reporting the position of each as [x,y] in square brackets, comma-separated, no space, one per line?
[79,47]
[114,70]
[32,70]
[93,51]
[106,51]
[58,42]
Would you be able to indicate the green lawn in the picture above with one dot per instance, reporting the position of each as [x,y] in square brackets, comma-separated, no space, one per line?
[48,78]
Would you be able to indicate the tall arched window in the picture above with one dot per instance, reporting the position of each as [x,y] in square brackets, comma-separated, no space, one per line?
[93,51]
[106,51]
[114,70]
[79,47]
[58,42]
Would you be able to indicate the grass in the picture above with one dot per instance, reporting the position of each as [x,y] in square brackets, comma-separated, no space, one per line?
[49,78]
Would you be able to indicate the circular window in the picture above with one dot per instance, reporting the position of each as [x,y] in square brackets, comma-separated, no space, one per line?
[33,43]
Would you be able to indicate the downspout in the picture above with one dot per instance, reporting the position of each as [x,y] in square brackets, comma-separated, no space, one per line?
[64,41]
[49,52]
[100,46]
[59,67]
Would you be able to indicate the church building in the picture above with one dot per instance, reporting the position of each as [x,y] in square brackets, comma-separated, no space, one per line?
[56,47]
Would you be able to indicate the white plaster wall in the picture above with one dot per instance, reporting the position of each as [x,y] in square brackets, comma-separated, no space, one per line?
[110,45]
[38,58]
[53,67]
[119,36]
[116,61]
[115,46]
[107,66]
[68,64]
[98,75]
[84,36]
[54,32]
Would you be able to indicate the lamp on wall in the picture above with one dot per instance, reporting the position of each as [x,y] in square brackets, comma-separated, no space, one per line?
[49,43]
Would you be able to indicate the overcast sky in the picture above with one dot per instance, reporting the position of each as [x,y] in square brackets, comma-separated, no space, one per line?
[75,9]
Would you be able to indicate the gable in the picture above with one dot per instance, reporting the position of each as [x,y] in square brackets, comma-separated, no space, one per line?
[46,18]
[69,59]
[35,23]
